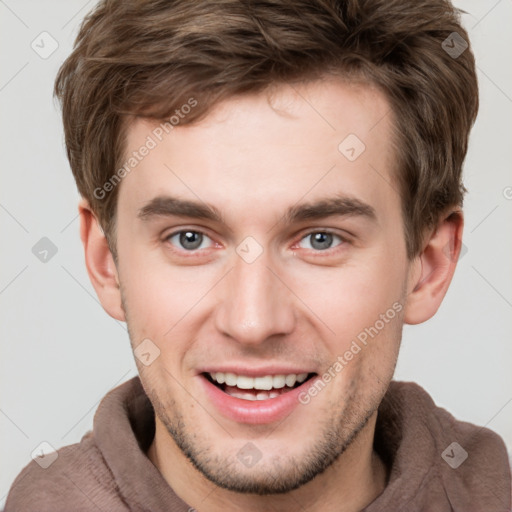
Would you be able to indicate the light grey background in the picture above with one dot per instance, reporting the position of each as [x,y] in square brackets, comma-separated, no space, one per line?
[61,353]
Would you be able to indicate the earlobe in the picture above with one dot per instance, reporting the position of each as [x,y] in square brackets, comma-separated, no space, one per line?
[100,263]
[432,270]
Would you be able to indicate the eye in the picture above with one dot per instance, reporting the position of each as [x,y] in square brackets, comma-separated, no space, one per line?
[320,240]
[189,240]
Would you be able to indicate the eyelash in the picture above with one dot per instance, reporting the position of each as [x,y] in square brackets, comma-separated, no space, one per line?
[195,252]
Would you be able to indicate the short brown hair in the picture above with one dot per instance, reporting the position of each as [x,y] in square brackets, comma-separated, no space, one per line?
[149,57]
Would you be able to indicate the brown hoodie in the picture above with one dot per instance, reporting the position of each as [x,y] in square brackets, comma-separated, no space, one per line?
[109,470]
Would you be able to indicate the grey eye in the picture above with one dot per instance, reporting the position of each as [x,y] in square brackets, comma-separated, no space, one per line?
[189,240]
[320,240]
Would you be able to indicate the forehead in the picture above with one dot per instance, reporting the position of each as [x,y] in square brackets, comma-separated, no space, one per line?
[300,140]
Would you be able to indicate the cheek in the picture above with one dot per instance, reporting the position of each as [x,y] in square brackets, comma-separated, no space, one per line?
[156,291]
[361,306]
[350,298]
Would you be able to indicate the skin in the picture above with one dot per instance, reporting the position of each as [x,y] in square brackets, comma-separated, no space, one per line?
[252,158]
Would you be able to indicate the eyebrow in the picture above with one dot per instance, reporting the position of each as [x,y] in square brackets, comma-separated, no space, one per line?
[168,206]
[339,205]
[343,206]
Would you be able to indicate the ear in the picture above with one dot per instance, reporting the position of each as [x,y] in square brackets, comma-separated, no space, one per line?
[100,262]
[432,270]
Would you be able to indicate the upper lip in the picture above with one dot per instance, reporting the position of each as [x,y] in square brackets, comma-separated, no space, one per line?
[255,372]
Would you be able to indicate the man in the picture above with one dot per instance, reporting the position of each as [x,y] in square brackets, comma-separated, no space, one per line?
[270,191]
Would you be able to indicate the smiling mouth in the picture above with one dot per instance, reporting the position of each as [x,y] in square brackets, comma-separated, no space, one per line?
[256,388]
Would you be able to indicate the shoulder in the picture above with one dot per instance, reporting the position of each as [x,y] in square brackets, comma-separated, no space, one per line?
[469,462]
[77,479]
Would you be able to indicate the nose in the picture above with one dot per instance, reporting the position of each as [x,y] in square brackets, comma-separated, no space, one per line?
[255,304]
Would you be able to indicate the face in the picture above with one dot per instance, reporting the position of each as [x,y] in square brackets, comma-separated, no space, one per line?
[262,248]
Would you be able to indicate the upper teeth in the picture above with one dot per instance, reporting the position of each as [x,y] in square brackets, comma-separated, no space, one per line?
[264,383]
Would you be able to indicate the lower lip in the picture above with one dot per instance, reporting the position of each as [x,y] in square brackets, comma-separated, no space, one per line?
[255,411]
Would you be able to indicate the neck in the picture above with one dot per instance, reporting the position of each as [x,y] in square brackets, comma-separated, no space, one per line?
[352,482]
